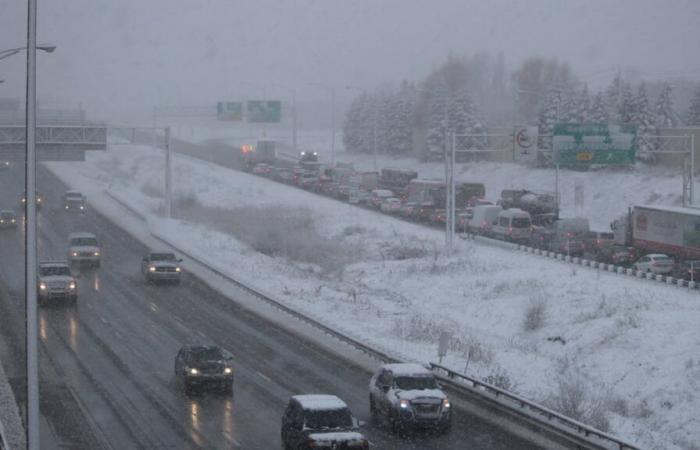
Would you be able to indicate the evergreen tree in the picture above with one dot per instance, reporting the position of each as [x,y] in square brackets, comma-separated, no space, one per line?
[599,112]
[612,99]
[693,117]
[666,116]
[643,116]
[547,118]
[626,108]
[435,139]
[353,138]
[400,138]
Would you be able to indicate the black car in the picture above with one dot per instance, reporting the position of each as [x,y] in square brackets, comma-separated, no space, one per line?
[74,201]
[320,421]
[618,255]
[204,365]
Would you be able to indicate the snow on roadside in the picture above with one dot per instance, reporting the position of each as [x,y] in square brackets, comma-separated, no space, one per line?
[631,341]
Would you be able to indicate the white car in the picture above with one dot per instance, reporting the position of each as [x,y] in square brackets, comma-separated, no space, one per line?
[657,263]
[391,205]
[83,248]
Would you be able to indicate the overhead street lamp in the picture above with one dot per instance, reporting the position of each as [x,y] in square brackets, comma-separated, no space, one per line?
[30,241]
[13,51]
[331,90]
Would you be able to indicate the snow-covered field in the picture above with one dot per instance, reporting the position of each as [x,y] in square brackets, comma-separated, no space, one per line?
[523,321]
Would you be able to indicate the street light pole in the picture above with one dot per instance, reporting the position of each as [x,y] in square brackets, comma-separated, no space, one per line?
[30,234]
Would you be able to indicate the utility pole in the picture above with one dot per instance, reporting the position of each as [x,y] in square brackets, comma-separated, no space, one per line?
[30,238]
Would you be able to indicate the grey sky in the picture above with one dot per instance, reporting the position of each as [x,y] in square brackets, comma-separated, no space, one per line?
[127,55]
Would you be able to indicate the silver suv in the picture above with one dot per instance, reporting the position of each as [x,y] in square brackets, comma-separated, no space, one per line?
[56,282]
[161,266]
[408,396]
[83,248]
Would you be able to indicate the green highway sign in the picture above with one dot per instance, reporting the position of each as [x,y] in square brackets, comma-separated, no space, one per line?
[232,111]
[264,111]
[576,143]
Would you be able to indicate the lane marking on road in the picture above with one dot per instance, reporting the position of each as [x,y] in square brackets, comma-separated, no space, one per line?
[154,307]
[263,376]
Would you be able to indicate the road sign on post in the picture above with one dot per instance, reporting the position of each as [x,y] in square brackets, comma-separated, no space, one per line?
[586,144]
[525,144]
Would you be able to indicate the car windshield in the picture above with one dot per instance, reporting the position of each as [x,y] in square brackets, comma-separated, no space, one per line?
[206,354]
[47,271]
[328,419]
[521,222]
[7,215]
[415,383]
[83,242]
[162,257]
[663,259]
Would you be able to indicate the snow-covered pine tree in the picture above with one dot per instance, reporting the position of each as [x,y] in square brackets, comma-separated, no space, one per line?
[666,116]
[435,139]
[401,121]
[599,112]
[692,119]
[626,108]
[353,133]
[547,118]
[612,99]
[643,117]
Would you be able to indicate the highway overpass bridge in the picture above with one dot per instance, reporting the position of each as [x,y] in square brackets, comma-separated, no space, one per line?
[54,142]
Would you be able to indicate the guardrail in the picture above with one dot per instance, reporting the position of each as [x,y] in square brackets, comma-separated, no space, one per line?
[612,268]
[544,414]
[547,419]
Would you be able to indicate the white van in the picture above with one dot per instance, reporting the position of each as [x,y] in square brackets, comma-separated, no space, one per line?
[378,196]
[482,219]
[513,225]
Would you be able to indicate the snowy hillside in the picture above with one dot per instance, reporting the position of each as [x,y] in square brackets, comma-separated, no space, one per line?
[542,328]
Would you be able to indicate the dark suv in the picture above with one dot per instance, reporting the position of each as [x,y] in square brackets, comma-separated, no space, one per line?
[320,421]
[203,365]
[409,396]
[74,201]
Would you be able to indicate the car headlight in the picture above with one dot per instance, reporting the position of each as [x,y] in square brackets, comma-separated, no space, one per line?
[66,206]
[13,221]
[97,253]
[71,285]
[404,404]
[193,371]
[2,221]
[152,268]
[82,207]
[75,253]
[446,403]
[177,269]
[228,370]
[42,286]
[38,200]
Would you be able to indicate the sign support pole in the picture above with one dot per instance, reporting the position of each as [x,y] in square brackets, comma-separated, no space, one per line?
[168,174]
[30,236]
[692,170]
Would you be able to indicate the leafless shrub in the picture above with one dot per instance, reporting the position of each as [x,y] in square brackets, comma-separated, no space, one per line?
[575,400]
[186,200]
[405,249]
[618,405]
[353,229]
[274,230]
[500,378]
[535,314]
[642,410]
[152,189]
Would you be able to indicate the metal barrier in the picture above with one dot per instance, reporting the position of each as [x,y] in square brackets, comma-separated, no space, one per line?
[545,417]
[545,414]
